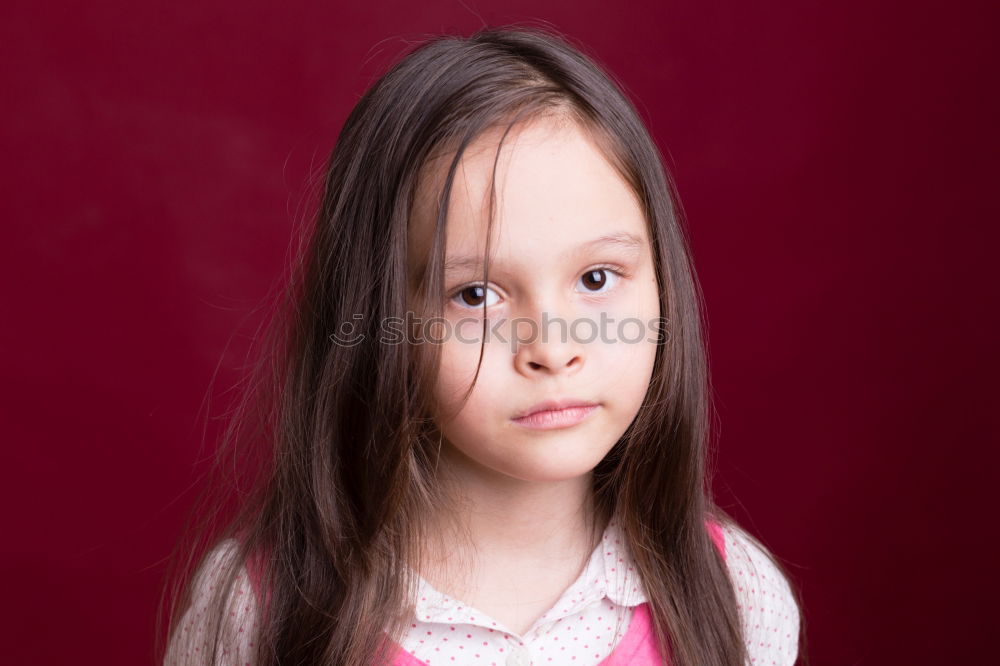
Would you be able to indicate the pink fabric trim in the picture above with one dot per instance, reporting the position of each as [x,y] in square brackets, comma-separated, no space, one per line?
[636,646]
[715,531]
[404,658]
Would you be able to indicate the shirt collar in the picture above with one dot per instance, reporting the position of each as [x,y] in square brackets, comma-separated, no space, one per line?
[622,583]
[610,572]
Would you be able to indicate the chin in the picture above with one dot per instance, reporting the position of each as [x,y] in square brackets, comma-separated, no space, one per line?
[556,473]
[550,470]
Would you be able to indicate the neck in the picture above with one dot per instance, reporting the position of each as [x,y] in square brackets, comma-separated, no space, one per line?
[495,518]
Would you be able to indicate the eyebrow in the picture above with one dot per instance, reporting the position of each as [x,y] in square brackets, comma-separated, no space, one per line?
[621,240]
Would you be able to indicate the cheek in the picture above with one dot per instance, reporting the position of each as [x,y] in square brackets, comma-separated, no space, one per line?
[459,361]
[469,424]
[626,357]
[626,368]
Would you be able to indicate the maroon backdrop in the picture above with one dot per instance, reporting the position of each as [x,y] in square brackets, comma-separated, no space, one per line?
[835,161]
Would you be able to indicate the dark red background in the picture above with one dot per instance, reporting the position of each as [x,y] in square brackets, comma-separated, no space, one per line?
[836,160]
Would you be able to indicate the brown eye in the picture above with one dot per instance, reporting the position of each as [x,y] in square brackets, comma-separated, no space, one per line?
[596,280]
[473,296]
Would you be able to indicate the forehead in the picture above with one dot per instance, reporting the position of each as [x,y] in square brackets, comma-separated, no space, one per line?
[553,185]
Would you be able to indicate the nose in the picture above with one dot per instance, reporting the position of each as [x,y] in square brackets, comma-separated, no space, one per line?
[547,345]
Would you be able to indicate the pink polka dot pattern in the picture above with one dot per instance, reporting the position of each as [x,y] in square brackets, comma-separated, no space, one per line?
[768,609]
[191,641]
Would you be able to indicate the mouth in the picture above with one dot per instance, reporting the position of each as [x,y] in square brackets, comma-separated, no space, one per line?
[554,414]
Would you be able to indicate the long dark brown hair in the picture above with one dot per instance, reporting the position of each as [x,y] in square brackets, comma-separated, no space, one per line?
[333,510]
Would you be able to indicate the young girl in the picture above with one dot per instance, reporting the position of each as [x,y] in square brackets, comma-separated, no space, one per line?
[488,409]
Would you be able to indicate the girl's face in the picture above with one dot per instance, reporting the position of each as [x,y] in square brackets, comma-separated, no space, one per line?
[571,306]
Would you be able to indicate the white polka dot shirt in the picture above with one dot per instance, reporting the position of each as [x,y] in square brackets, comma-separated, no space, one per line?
[582,628]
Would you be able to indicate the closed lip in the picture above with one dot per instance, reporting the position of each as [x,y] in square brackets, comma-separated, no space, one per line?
[552,405]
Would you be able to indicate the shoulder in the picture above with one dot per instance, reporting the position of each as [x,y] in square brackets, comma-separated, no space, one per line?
[767,605]
[209,621]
